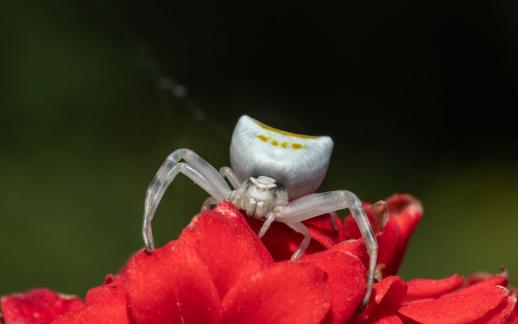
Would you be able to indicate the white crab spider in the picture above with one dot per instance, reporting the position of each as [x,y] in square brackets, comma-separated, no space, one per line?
[274,176]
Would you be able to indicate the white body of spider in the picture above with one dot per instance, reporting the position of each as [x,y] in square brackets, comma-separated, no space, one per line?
[274,177]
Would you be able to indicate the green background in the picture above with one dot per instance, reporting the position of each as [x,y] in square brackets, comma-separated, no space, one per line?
[416,96]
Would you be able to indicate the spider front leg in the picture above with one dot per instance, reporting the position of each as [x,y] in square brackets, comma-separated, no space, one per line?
[232,177]
[196,169]
[228,173]
[210,201]
[317,204]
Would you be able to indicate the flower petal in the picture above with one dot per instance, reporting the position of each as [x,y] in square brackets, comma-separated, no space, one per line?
[501,279]
[432,288]
[347,279]
[355,247]
[287,292]
[226,245]
[104,304]
[389,246]
[389,290]
[406,211]
[107,293]
[386,295]
[322,231]
[281,241]
[502,313]
[38,306]
[463,306]
[170,285]
[513,318]
[382,316]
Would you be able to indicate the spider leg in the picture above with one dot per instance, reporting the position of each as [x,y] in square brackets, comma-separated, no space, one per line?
[196,169]
[270,218]
[302,229]
[228,173]
[204,168]
[208,202]
[321,203]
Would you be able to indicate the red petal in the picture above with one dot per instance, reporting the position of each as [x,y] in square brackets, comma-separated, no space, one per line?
[38,306]
[386,294]
[389,290]
[322,231]
[387,319]
[389,246]
[407,209]
[502,313]
[382,316]
[287,292]
[355,247]
[281,241]
[431,288]
[171,285]
[105,294]
[104,304]
[466,305]
[226,245]
[500,279]
[513,319]
[347,277]
[406,212]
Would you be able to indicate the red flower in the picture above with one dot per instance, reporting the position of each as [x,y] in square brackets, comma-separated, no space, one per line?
[449,300]
[220,271]
[38,306]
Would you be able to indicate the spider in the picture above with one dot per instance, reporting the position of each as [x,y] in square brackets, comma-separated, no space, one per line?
[274,177]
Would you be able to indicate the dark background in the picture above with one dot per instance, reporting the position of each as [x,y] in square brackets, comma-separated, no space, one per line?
[417,96]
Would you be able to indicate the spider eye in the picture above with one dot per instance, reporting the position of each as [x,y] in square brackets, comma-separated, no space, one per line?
[298,161]
[263,182]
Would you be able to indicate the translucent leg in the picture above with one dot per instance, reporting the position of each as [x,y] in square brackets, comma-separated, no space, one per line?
[208,172]
[156,190]
[228,173]
[208,202]
[302,229]
[197,169]
[270,218]
[317,204]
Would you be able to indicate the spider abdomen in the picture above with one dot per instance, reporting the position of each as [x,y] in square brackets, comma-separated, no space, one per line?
[299,162]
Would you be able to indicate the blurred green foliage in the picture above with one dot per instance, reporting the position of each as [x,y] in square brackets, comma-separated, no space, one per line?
[84,128]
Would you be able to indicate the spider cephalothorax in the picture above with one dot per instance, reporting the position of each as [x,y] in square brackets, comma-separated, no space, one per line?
[274,177]
[259,197]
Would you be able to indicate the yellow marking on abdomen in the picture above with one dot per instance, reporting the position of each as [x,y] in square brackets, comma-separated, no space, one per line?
[281,132]
[263,138]
[284,145]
